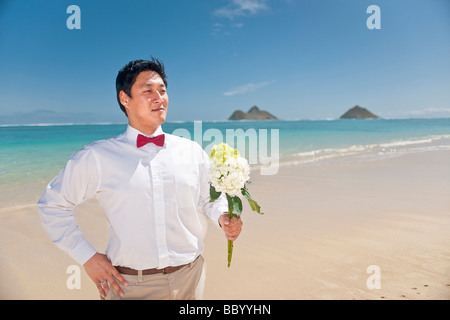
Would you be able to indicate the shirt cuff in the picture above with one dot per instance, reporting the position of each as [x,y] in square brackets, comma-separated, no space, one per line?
[82,252]
[219,211]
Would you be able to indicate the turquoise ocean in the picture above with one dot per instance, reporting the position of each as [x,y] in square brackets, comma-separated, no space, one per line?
[31,155]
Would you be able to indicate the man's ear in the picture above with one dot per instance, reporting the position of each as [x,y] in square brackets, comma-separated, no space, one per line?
[123,97]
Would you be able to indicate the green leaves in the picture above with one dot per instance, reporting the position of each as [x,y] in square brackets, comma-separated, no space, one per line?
[253,204]
[213,194]
[235,203]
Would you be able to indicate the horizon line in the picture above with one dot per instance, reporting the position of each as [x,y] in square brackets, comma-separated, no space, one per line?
[54,124]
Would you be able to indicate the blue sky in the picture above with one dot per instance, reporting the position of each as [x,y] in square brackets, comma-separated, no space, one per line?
[298,59]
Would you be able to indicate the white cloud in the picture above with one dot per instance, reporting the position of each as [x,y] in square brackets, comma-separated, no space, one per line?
[239,8]
[249,87]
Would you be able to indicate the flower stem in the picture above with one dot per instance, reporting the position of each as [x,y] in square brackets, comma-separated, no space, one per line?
[230,243]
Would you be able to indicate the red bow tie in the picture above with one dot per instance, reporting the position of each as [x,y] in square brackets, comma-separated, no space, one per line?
[143,140]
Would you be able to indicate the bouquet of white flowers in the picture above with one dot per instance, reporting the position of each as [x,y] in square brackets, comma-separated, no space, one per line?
[229,173]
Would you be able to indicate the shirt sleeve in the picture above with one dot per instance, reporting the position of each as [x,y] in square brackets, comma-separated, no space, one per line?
[212,209]
[79,180]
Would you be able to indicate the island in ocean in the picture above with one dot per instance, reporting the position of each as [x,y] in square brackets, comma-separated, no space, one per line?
[253,114]
[359,113]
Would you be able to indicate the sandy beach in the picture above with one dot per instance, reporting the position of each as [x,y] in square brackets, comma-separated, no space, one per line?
[325,227]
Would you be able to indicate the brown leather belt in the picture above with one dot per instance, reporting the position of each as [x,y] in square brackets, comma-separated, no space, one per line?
[130,271]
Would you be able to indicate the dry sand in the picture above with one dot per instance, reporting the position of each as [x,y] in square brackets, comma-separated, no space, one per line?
[324,226]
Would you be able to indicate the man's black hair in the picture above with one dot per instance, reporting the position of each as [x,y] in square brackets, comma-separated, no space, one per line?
[128,74]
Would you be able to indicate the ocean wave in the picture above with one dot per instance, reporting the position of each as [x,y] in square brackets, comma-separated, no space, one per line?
[370,151]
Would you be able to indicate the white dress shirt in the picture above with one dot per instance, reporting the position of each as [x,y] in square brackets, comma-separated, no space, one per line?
[152,197]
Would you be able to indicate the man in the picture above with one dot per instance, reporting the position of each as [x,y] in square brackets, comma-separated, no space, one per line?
[151,186]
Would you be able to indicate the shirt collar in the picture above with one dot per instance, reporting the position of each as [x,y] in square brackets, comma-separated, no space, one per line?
[132,133]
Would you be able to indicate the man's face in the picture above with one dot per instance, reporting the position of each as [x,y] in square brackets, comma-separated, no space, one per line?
[147,106]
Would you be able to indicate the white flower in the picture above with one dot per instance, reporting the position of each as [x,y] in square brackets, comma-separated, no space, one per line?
[230,174]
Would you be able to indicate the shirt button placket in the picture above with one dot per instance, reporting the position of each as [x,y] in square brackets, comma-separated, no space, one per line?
[159,211]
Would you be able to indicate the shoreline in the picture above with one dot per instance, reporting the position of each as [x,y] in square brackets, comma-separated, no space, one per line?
[323,226]
[124,122]
[24,193]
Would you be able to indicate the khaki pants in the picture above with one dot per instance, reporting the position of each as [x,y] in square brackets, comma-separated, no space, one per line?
[184,284]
